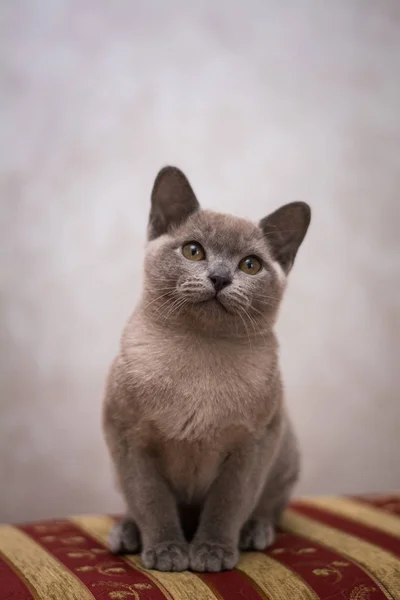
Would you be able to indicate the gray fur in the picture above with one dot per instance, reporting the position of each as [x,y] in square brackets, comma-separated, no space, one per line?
[194,415]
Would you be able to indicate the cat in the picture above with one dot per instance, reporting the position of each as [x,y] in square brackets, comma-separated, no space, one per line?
[194,416]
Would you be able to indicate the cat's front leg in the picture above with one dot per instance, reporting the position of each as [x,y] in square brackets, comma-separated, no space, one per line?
[228,505]
[259,531]
[153,508]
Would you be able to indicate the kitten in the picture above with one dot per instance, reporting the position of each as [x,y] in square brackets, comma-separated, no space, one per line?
[194,416]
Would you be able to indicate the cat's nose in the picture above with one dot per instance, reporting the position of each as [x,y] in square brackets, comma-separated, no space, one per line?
[220,279]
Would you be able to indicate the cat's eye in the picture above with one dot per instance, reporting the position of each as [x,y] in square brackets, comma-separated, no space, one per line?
[193,251]
[250,265]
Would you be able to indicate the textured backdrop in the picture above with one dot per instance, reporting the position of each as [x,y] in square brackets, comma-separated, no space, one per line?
[261,103]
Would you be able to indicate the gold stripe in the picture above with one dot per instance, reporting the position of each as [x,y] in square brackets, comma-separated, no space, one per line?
[381,564]
[254,585]
[274,579]
[20,575]
[44,573]
[185,586]
[359,512]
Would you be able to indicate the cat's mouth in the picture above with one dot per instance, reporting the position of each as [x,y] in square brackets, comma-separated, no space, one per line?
[215,301]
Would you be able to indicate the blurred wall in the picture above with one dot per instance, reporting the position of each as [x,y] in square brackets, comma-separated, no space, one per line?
[261,103]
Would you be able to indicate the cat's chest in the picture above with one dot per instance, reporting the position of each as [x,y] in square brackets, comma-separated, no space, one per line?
[190,468]
[194,389]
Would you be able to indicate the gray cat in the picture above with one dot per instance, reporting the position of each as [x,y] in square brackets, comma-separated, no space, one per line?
[194,415]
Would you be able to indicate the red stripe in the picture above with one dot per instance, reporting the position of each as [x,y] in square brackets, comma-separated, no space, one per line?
[90,562]
[12,585]
[369,534]
[233,585]
[327,572]
[389,503]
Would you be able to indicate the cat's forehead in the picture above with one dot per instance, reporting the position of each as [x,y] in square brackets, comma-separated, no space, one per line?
[224,233]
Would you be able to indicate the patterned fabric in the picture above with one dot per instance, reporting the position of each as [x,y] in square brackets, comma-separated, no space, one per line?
[328,548]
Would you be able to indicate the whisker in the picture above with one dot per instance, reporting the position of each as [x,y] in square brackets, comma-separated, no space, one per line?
[235,294]
[163,304]
[179,303]
[163,311]
[152,278]
[251,321]
[269,304]
[257,311]
[262,296]
[245,326]
[155,300]
[163,289]
[182,305]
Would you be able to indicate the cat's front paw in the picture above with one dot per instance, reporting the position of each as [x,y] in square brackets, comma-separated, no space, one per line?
[166,556]
[213,557]
[124,538]
[257,534]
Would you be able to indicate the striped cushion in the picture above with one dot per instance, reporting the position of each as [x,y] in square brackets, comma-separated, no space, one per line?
[329,548]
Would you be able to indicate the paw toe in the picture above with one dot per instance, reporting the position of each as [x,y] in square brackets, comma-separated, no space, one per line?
[166,557]
[257,535]
[213,557]
[124,538]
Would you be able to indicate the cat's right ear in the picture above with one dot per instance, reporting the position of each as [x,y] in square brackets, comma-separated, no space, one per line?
[172,201]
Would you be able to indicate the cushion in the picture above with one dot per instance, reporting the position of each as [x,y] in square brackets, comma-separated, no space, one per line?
[328,548]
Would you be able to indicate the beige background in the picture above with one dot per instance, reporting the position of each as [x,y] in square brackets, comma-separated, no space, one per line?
[261,102]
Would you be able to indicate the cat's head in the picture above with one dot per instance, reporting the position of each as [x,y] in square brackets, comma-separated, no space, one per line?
[213,270]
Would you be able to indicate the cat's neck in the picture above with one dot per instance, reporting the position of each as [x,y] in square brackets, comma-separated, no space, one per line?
[234,330]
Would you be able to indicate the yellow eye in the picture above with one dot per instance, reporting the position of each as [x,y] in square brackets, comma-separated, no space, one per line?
[250,265]
[193,251]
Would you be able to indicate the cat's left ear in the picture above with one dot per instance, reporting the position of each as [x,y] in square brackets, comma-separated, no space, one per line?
[172,201]
[284,230]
